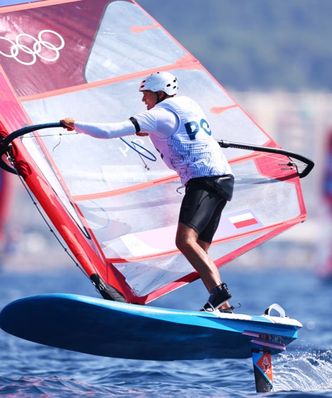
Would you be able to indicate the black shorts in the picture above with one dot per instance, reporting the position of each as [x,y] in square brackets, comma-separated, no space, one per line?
[203,204]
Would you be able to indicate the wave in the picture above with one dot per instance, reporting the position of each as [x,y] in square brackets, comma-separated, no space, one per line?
[303,372]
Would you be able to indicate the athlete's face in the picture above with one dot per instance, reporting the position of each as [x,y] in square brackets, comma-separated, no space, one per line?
[150,99]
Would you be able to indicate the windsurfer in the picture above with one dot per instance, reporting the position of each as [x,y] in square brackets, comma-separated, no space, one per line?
[179,130]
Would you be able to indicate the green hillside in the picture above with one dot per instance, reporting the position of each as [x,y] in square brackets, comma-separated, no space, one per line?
[255,44]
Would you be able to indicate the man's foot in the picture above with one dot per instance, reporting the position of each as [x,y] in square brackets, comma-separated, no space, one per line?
[219,296]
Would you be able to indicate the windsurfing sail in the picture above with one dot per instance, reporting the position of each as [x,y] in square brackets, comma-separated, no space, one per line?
[116,208]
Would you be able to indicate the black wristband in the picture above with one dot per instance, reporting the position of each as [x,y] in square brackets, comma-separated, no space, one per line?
[135,123]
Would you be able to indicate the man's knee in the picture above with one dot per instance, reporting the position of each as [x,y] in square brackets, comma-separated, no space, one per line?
[185,239]
[182,241]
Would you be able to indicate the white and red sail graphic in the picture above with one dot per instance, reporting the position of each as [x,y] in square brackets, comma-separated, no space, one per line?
[117,214]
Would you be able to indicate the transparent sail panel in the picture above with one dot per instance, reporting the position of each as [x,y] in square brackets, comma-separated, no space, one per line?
[148,276]
[128,41]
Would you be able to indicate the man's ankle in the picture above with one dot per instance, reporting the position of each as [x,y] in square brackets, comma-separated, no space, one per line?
[219,297]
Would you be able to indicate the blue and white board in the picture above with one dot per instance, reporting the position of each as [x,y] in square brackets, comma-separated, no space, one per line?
[113,329]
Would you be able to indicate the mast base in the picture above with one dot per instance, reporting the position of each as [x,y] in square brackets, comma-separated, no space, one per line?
[106,291]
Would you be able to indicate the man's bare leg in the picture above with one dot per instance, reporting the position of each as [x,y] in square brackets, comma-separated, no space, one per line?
[196,252]
[205,246]
[186,242]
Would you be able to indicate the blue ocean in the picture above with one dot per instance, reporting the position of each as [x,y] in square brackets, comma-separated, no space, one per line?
[304,370]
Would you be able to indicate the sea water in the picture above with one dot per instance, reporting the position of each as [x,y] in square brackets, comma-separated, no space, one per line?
[304,370]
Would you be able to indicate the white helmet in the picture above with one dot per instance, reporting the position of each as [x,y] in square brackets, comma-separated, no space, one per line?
[160,81]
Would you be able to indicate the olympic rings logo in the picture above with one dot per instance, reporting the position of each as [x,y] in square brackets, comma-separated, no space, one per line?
[33,48]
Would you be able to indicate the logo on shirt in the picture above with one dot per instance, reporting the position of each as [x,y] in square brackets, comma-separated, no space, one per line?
[193,128]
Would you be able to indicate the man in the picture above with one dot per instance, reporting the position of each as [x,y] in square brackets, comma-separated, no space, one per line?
[180,132]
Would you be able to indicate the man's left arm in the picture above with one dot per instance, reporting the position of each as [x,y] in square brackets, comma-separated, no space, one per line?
[100,130]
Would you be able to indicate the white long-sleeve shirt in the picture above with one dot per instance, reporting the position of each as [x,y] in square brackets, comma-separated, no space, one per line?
[179,130]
